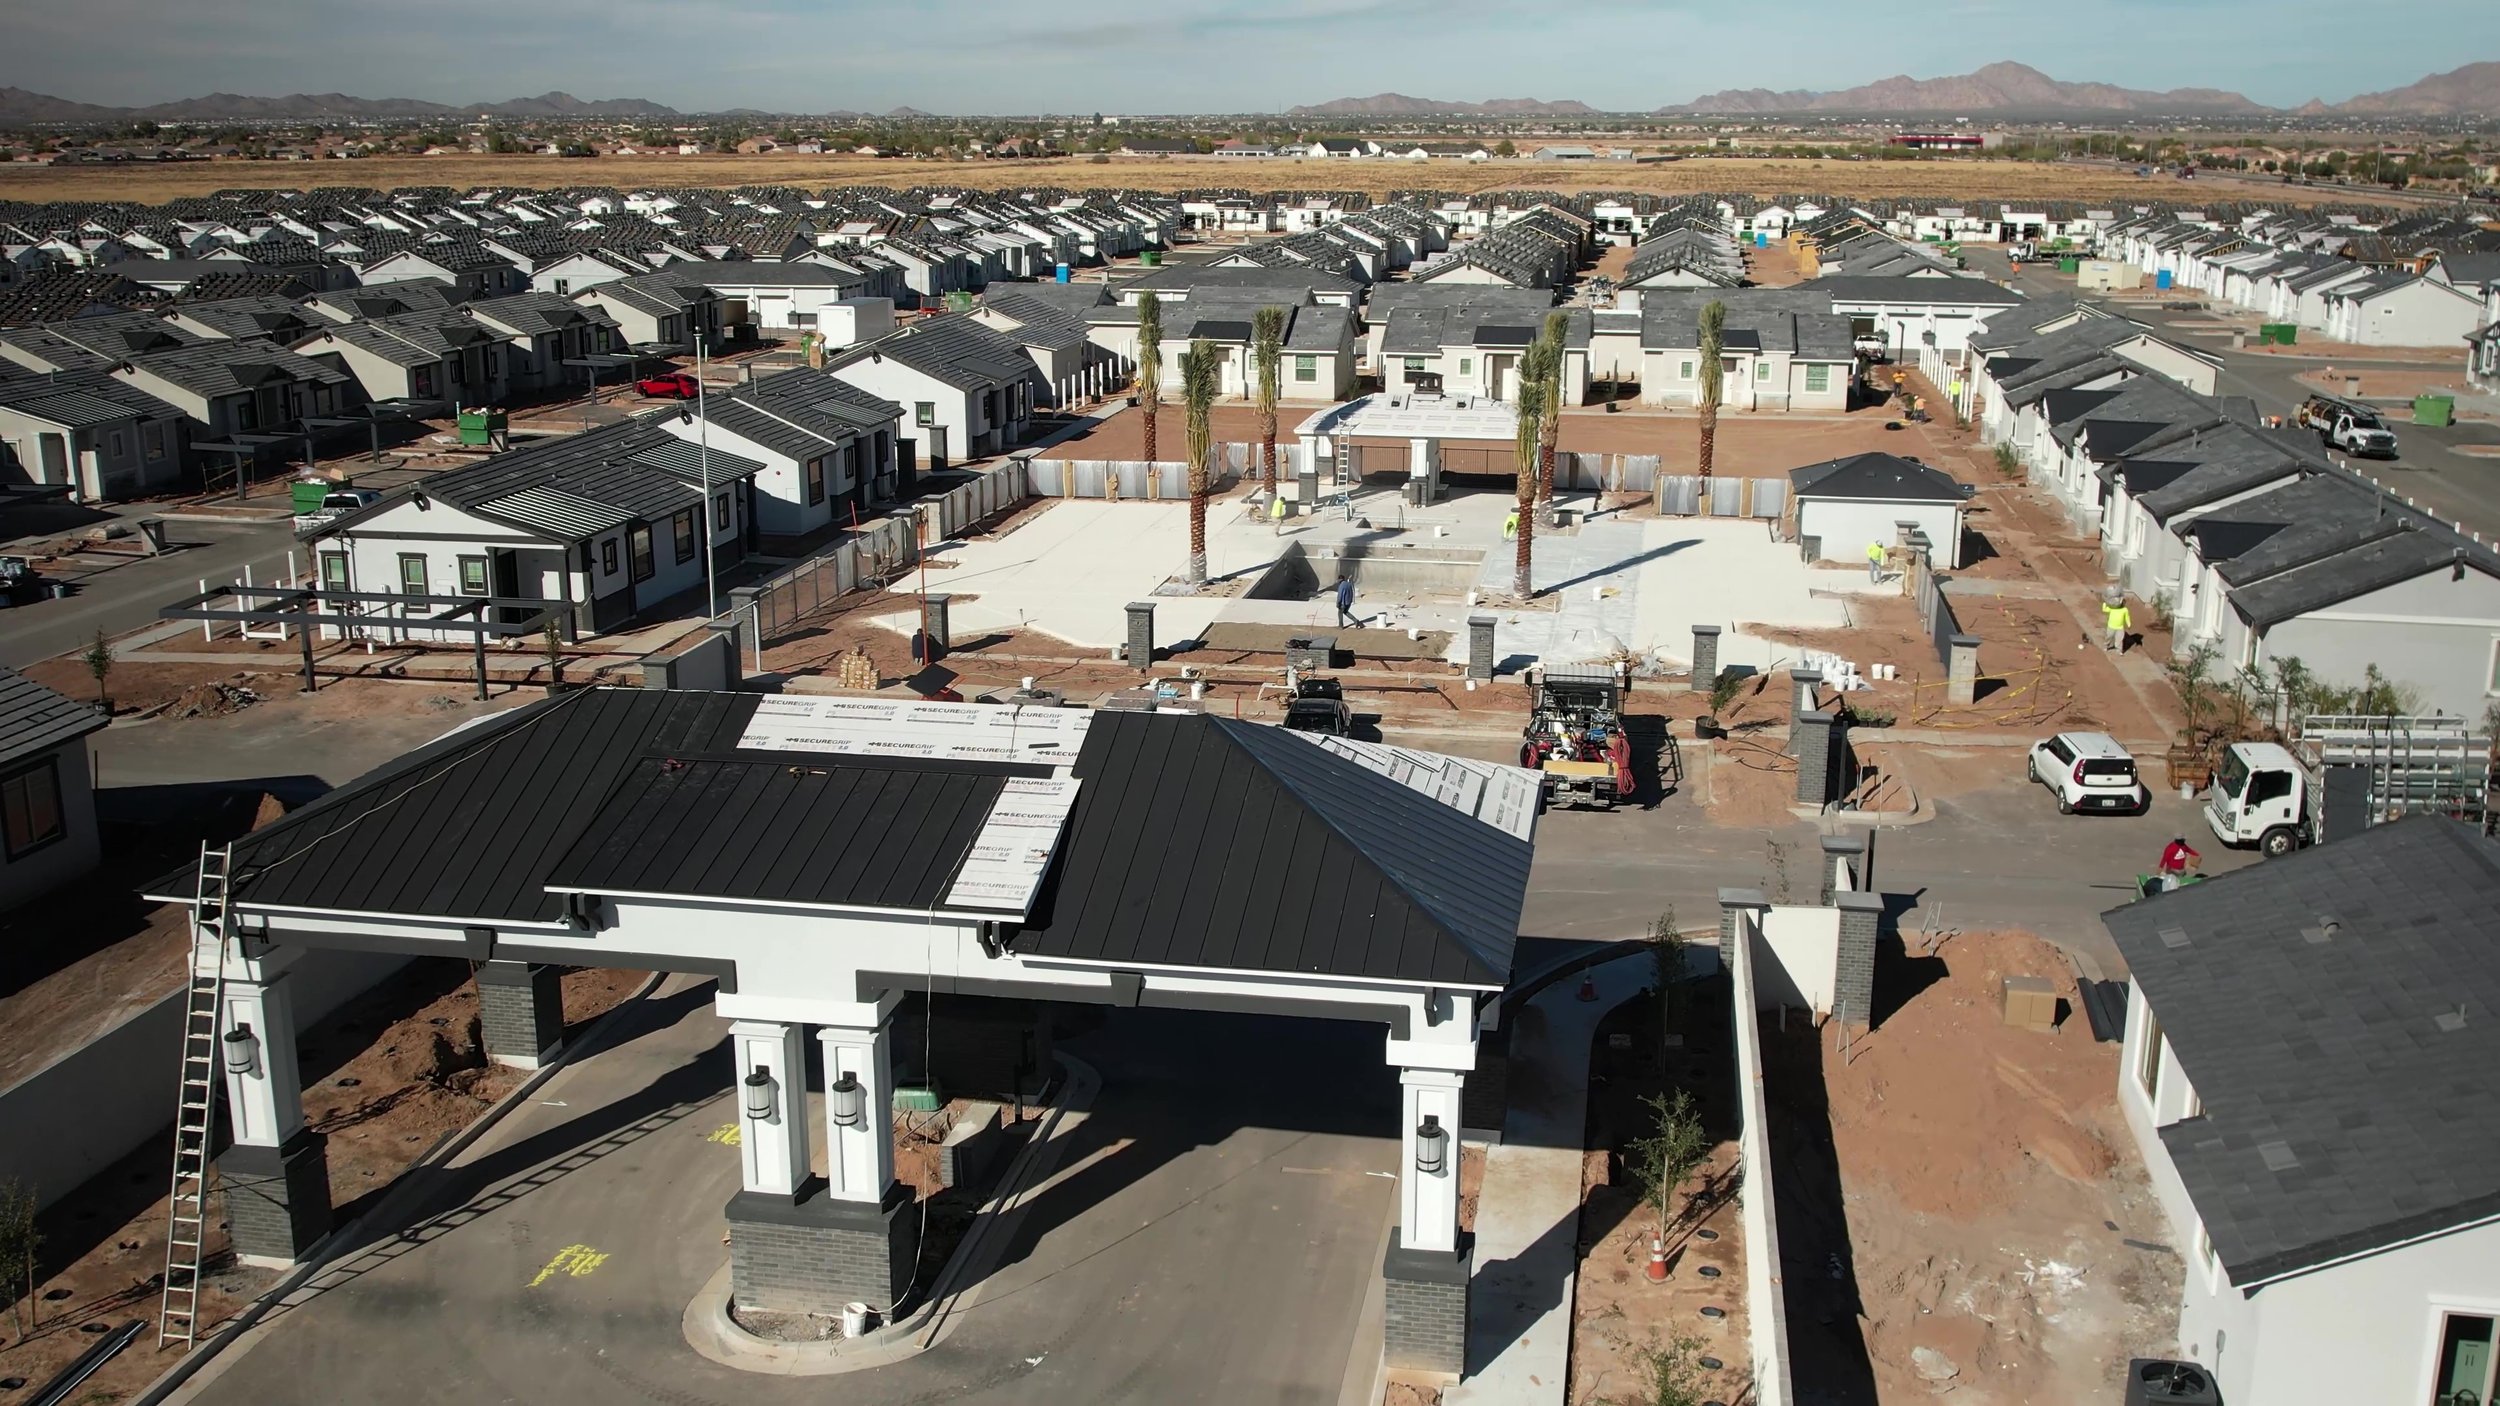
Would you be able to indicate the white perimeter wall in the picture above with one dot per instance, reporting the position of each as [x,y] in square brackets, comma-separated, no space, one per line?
[1796,955]
[1766,1304]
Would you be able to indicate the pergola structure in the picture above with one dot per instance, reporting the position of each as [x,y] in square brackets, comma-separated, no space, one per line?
[823,858]
[1425,422]
[243,446]
[301,608]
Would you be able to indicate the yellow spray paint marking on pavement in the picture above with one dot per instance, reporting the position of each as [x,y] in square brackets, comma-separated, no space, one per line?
[726,1135]
[573,1261]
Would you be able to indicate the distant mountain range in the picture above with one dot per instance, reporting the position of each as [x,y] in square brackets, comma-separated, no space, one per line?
[2474,88]
[20,106]
[2018,88]
[1400,105]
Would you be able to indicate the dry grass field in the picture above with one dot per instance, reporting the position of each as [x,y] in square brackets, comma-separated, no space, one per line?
[1962,178]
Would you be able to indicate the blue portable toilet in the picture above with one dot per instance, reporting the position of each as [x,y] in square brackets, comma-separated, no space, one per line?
[1063,275]
[2161,280]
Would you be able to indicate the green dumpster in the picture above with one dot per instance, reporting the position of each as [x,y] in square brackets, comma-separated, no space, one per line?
[2282,334]
[479,427]
[2434,410]
[307,493]
[2070,266]
[1151,258]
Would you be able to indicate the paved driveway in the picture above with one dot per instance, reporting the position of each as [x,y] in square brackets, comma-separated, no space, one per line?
[1210,1237]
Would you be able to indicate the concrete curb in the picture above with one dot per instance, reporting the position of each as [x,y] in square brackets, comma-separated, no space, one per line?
[383,1212]
[714,1335]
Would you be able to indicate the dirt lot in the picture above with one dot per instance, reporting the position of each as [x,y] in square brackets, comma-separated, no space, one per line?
[1965,177]
[387,1077]
[1961,1208]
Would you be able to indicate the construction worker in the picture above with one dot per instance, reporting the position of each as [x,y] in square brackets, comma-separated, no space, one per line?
[2116,621]
[2177,859]
[1345,603]
[1510,525]
[1874,562]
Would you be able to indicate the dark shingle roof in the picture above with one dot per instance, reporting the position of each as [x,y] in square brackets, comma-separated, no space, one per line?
[2341,1113]
[35,719]
[1879,476]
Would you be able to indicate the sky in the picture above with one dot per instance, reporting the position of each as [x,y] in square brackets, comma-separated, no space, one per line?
[963,56]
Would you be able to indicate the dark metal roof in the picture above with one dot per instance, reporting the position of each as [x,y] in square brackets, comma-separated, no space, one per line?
[1206,842]
[2304,998]
[852,832]
[1877,476]
[35,719]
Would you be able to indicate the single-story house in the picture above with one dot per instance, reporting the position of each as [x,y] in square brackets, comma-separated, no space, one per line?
[1778,350]
[48,831]
[659,312]
[104,439]
[971,389]
[2306,1067]
[541,333]
[442,355]
[827,449]
[1847,503]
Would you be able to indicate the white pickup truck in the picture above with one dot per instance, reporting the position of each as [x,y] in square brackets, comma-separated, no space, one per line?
[336,504]
[2355,429]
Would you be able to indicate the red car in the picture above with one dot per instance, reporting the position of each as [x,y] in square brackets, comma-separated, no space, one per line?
[676,385]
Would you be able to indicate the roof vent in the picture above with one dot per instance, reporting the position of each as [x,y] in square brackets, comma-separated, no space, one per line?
[2450,1022]
[2173,938]
[2328,925]
[2278,1156]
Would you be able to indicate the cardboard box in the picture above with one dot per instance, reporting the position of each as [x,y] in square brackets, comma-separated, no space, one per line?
[2030,1003]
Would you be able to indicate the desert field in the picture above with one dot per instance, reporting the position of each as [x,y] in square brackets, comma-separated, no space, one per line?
[1958,178]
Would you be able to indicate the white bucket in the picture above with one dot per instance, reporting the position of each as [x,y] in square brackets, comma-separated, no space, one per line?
[1027,683]
[854,1320]
[1197,688]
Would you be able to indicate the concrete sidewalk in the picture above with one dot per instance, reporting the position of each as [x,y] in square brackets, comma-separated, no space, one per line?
[1528,1216]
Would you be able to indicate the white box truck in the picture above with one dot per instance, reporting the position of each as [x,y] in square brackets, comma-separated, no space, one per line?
[2344,774]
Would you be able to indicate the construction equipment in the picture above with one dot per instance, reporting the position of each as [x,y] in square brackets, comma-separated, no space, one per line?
[1318,705]
[195,1115]
[2345,773]
[1575,738]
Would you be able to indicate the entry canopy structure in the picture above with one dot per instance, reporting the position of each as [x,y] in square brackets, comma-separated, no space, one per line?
[822,857]
[1425,422]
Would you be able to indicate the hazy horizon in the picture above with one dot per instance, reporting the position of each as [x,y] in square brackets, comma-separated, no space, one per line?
[1189,56]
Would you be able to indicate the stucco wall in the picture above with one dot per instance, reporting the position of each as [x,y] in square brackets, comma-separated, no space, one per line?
[1797,956]
[2432,633]
[1847,525]
[44,869]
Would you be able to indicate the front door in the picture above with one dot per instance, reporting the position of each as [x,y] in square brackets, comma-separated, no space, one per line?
[55,455]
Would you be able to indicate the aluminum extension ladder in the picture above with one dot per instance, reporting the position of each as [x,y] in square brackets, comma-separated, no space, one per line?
[195,1118]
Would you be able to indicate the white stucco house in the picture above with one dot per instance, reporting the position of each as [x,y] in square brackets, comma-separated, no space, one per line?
[48,830]
[1847,503]
[2305,1070]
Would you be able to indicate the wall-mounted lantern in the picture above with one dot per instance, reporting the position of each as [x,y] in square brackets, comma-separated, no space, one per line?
[242,1051]
[846,1103]
[758,1089]
[1432,1147]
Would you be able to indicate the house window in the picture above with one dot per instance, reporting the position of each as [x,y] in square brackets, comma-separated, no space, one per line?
[1762,370]
[1466,366]
[2148,1059]
[155,440]
[2464,1375]
[815,472]
[1306,368]
[1818,377]
[30,807]
[563,286]
[607,557]
[115,441]
[421,381]
[1686,373]
[924,413]
[682,528]
[412,574]
[2206,1259]
[473,576]
[722,517]
[1414,366]
[334,575]
[644,566]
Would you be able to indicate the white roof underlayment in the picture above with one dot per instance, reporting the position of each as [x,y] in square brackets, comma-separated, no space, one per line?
[1504,797]
[1417,417]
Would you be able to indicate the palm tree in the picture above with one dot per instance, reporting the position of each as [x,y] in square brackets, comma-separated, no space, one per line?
[1149,363]
[1713,338]
[1557,324]
[1201,367]
[1267,346]
[1531,430]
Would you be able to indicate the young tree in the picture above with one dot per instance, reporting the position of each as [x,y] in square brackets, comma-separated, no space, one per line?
[99,662]
[1201,366]
[1149,363]
[1713,339]
[1673,1150]
[1557,326]
[1531,429]
[1267,353]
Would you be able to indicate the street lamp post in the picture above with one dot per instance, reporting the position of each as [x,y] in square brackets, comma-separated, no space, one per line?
[703,453]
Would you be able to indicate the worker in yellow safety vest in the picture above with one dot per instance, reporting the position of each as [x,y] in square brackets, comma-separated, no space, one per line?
[1874,562]
[2116,621]
[1510,525]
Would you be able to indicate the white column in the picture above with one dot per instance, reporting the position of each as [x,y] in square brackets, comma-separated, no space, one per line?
[772,1150]
[1428,1201]
[266,1100]
[859,1161]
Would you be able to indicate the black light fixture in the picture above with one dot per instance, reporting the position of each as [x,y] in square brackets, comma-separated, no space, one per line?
[758,1087]
[242,1051]
[1432,1146]
[846,1103]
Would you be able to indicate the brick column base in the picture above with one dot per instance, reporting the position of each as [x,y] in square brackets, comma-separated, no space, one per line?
[1425,1323]
[277,1198]
[520,1013]
[816,1254]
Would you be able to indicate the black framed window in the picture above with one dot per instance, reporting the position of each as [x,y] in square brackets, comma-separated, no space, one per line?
[644,566]
[682,528]
[816,479]
[473,576]
[723,518]
[30,807]
[607,557]
[412,574]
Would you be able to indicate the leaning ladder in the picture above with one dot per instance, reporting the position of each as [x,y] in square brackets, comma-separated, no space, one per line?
[195,1117]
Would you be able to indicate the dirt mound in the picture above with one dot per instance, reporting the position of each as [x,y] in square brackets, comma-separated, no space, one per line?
[207,700]
[1956,1109]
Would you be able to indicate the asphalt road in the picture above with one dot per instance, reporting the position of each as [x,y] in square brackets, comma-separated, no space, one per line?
[1209,1236]
[2462,488]
[127,596]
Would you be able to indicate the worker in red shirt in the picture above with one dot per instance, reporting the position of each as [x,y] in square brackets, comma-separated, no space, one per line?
[2176,860]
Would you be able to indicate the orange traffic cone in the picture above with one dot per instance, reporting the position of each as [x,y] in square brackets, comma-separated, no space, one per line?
[1657,1261]
[1588,987]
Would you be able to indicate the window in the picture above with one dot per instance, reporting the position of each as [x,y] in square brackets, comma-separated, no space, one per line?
[2464,1376]
[681,527]
[2492,685]
[607,557]
[334,575]
[644,566]
[722,517]
[412,574]
[473,576]
[2206,1259]
[421,381]
[924,413]
[815,472]
[2148,1059]
[1818,377]
[1686,373]
[2269,786]
[1306,368]
[1466,366]
[1414,366]
[30,807]
[114,440]
[155,440]
[1762,370]
[563,286]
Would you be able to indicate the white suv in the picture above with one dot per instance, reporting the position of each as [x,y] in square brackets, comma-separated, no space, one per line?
[2089,771]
